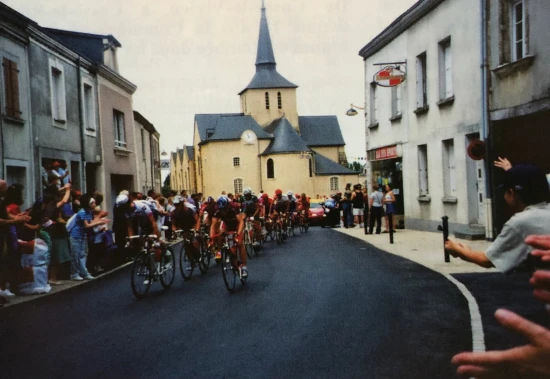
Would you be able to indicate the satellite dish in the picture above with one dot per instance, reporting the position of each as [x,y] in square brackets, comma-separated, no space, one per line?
[476,150]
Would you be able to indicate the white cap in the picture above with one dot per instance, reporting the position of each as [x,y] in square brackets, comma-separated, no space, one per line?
[121,199]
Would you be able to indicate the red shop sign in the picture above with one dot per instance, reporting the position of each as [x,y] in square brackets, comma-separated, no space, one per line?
[387,152]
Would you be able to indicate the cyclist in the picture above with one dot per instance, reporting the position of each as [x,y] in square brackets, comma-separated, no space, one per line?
[139,216]
[292,206]
[303,207]
[184,218]
[233,222]
[251,208]
[279,210]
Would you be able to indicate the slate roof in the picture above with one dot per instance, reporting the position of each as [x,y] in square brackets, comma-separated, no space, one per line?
[227,127]
[286,139]
[174,155]
[321,131]
[85,44]
[266,72]
[180,154]
[326,166]
[190,152]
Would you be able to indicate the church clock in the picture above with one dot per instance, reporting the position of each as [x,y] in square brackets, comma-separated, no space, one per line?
[248,137]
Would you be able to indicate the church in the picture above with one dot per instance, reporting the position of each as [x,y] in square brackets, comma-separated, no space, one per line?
[267,145]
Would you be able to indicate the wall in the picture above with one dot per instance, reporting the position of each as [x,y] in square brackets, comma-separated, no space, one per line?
[116,161]
[255,105]
[143,155]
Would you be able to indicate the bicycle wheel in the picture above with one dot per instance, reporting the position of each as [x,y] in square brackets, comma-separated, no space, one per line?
[248,241]
[186,266]
[302,227]
[204,260]
[278,234]
[142,274]
[167,267]
[229,272]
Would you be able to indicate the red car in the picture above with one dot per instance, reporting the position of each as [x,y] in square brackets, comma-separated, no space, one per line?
[316,214]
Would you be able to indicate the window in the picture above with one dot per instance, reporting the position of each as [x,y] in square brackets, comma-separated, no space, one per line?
[11,88]
[396,101]
[266,100]
[57,88]
[449,170]
[89,108]
[210,132]
[118,124]
[311,167]
[143,143]
[423,169]
[279,100]
[238,185]
[373,104]
[236,161]
[334,184]
[270,169]
[518,30]
[421,82]
[445,70]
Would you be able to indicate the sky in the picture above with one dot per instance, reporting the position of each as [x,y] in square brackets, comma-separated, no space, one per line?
[195,56]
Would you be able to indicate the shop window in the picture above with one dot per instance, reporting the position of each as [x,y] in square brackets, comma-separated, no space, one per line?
[270,169]
[449,169]
[423,170]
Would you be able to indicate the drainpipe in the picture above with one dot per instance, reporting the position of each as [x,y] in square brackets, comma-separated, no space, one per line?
[489,211]
[81,123]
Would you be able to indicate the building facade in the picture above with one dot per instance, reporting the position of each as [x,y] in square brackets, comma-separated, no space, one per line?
[418,131]
[268,145]
[519,82]
[148,153]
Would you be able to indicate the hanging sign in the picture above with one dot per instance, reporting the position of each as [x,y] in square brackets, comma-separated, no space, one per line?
[389,76]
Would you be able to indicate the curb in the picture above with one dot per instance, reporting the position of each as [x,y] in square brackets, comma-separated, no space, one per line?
[67,285]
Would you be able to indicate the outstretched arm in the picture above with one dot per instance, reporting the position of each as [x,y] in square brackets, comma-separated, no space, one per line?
[503,163]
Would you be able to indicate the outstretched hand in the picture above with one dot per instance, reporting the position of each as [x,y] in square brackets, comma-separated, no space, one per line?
[503,163]
[528,361]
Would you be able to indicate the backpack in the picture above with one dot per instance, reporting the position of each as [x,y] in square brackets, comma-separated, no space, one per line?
[71,223]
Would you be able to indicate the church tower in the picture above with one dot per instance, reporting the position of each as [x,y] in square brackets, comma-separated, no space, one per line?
[268,96]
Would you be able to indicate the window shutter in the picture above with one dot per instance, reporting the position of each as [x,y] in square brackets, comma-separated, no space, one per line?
[452,169]
[6,65]
[448,72]
[419,84]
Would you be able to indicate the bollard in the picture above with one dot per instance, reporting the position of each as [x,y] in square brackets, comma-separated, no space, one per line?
[445,230]
[390,224]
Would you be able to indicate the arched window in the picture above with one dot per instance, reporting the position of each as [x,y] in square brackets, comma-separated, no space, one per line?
[266,100]
[270,169]
[279,100]
[334,184]
[238,185]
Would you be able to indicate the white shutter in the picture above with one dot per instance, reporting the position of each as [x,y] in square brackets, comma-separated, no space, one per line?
[452,169]
[419,80]
[448,71]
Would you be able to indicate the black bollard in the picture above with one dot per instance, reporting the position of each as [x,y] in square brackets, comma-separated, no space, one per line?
[390,224]
[445,230]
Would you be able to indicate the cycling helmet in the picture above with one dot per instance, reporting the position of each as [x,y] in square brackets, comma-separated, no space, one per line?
[265,196]
[289,193]
[247,191]
[222,202]
[278,192]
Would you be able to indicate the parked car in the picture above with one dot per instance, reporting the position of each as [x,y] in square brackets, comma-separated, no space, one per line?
[316,213]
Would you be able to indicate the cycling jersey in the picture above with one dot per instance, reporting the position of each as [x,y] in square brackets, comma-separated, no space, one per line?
[281,204]
[184,219]
[250,206]
[292,207]
[229,219]
[140,217]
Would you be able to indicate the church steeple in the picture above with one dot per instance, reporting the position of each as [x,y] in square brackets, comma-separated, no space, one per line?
[266,72]
[265,48]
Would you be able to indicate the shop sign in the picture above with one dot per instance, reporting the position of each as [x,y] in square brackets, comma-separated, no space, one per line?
[387,152]
[389,76]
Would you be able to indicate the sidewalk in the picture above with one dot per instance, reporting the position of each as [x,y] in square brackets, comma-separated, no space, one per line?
[425,248]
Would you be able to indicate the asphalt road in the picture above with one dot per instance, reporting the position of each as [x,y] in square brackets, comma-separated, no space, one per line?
[323,305]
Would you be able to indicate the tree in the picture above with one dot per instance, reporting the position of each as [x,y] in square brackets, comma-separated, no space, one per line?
[355,166]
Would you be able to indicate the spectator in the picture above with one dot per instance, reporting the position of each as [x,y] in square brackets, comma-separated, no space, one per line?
[358,203]
[376,209]
[389,202]
[347,207]
[55,227]
[528,361]
[78,236]
[365,193]
[8,240]
[64,174]
[526,192]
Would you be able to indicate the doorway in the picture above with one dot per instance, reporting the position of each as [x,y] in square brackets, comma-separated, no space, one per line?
[475,180]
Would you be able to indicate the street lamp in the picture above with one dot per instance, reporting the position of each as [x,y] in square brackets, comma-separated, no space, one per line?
[352,111]
[164,153]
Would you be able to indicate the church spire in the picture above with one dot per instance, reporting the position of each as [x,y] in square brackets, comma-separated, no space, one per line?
[265,48]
